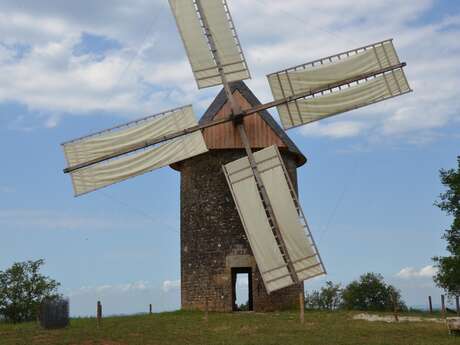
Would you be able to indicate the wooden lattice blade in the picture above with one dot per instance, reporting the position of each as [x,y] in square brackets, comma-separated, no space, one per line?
[328,71]
[293,227]
[189,20]
[103,172]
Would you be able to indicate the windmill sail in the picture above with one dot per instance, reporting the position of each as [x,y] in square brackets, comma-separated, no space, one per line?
[105,173]
[330,70]
[300,246]
[190,23]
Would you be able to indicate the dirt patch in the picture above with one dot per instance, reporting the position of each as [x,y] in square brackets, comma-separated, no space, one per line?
[135,335]
[391,319]
[221,328]
[86,342]
[43,339]
[248,329]
[111,342]
[103,342]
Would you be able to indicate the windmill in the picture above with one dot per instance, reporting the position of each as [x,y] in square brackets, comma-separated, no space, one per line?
[260,185]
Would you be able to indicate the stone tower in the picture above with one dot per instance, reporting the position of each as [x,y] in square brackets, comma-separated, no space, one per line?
[214,247]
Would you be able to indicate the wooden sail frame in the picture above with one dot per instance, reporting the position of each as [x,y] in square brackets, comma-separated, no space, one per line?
[194,27]
[232,117]
[236,109]
[241,182]
[354,95]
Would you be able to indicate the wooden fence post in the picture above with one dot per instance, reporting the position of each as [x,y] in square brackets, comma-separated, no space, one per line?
[443,306]
[302,307]
[99,313]
[150,309]
[38,313]
[206,309]
[457,300]
[395,306]
[430,304]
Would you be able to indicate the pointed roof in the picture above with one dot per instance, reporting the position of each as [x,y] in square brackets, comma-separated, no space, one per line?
[241,88]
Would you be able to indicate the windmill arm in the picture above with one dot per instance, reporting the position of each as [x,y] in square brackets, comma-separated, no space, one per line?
[236,117]
[146,144]
[321,89]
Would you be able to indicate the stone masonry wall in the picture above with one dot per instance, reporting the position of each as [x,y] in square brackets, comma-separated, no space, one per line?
[213,239]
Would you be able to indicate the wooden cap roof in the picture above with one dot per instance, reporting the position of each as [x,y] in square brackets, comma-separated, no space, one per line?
[262,129]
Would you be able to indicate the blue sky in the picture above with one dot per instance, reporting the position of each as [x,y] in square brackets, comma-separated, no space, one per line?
[69,69]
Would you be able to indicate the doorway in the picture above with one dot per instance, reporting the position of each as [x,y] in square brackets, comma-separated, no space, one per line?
[242,289]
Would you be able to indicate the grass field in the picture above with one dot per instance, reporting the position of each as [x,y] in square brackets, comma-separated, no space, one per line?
[189,328]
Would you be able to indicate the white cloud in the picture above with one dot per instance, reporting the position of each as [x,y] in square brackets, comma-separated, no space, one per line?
[44,21]
[410,118]
[341,129]
[431,50]
[109,289]
[136,80]
[411,272]
[6,55]
[146,76]
[171,285]
[19,25]
[52,121]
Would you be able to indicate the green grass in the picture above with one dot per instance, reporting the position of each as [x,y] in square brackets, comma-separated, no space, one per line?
[189,328]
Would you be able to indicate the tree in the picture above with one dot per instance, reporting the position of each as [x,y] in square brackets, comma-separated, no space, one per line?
[22,289]
[448,276]
[371,292]
[327,298]
[312,300]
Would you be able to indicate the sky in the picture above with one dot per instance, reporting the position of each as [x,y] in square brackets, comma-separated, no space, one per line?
[72,68]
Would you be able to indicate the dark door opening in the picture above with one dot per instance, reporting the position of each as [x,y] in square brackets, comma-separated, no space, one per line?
[242,288]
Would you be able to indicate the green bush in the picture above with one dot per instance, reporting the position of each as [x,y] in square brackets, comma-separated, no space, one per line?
[22,289]
[328,298]
[371,292]
[448,276]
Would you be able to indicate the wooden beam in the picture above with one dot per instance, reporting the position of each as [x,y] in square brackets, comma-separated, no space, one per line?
[215,53]
[99,313]
[230,118]
[322,89]
[236,109]
[430,305]
[443,306]
[302,306]
[267,204]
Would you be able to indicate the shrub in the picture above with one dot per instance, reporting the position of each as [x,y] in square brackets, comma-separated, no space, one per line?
[448,276]
[22,289]
[371,292]
[328,298]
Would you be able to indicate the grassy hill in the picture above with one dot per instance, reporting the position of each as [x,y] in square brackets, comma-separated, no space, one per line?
[189,328]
